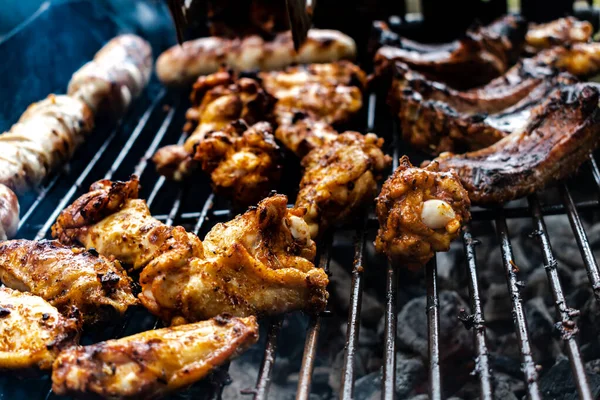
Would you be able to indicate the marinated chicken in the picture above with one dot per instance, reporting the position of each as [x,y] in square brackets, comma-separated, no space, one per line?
[181,65]
[339,178]
[33,331]
[243,162]
[420,211]
[153,363]
[560,32]
[481,55]
[67,277]
[118,74]
[258,263]
[44,138]
[9,213]
[557,138]
[217,101]
[112,221]
[310,99]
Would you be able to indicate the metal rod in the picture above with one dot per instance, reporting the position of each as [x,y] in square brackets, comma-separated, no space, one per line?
[433,330]
[353,327]
[511,269]
[389,339]
[204,213]
[71,192]
[312,336]
[482,362]
[160,134]
[568,327]
[582,241]
[161,179]
[266,368]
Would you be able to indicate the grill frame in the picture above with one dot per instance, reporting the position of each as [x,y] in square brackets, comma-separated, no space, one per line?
[144,128]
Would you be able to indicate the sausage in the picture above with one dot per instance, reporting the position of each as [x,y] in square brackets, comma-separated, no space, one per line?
[43,139]
[118,73]
[9,213]
[182,65]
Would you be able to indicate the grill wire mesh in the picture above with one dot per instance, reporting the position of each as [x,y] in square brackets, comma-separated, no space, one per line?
[114,153]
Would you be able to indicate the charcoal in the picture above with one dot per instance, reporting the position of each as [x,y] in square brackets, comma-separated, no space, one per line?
[450,268]
[455,341]
[498,306]
[368,387]
[589,321]
[410,374]
[558,383]
[541,329]
[361,358]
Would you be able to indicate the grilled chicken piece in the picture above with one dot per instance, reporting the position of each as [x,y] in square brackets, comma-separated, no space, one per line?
[483,54]
[420,211]
[436,119]
[217,101]
[339,178]
[312,97]
[9,213]
[181,65]
[111,220]
[44,138]
[118,73]
[556,140]
[580,59]
[260,263]
[243,162]
[560,32]
[33,331]
[67,277]
[153,363]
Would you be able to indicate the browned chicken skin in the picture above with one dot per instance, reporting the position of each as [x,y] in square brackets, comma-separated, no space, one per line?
[339,178]
[559,135]
[420,211]
[243,162]
[67,277]
[33,332]
[260,262]
[560,32]
[152,363]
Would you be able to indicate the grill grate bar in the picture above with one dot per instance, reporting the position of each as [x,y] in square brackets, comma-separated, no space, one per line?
[482,362]
[595,169]
[312,336]
[158,137]
[67,197]
[433,330]
[42,195]
[353,326]
[582,241]
[389,350]
[527,365]
[566,326]
[266,368]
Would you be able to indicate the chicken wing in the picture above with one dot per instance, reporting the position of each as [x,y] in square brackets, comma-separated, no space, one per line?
[67,277]
[33,332]
[339,177]
[560,32]
[243,162]
[153,363]
[420,211]
[259,263]
[111,220]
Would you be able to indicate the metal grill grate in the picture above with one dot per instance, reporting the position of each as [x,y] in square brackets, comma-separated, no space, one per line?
[159,121]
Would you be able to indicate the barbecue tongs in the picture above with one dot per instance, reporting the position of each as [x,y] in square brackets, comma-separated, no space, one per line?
[300,14]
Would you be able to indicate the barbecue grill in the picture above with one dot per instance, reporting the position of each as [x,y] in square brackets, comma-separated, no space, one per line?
[115,152]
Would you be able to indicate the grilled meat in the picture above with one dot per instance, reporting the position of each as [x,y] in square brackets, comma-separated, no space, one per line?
[118,73]
[420,211]
[67,277]
[259,263]
[153,363]
[483,54]
[560,32]
[436,119]
[239,18]
[33,331]
[580,59]
[9,213]
[44,138]
[243,162]
[339,178]
[217,101]
[310,99]
[556,140]
[181,65]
